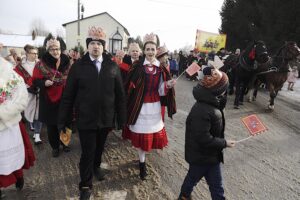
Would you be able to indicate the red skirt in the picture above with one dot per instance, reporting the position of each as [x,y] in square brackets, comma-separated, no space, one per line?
[7,180]
[148,141]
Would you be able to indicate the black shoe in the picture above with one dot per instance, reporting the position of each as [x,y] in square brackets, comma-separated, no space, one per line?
[85,193]
[66,149]
[55,153]
[99,174]
[184,197]
[20,183]
[143,171]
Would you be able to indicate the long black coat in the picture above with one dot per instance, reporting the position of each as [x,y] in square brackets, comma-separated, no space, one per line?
[48,111]
[204,136]
[97,97]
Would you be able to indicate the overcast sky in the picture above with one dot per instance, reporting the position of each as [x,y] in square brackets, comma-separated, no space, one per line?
[175,21]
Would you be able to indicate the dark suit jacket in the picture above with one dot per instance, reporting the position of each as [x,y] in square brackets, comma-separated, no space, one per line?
[98,98]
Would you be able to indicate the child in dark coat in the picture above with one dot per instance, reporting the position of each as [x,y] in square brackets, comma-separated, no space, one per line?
[204,136]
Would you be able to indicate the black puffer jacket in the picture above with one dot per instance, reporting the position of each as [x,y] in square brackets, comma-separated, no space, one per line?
[204,136]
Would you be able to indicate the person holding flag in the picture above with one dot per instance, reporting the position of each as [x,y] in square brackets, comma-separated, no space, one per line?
[204,135]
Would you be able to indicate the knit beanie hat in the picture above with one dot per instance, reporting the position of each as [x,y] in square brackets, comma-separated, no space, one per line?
[96,34]
[214,80]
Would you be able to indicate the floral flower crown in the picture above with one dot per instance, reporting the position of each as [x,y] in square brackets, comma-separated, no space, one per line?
[150,38]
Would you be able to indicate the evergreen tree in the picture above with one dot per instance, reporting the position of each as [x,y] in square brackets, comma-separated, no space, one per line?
[273,21]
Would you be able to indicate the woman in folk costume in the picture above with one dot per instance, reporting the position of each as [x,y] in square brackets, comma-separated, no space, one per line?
[25,69]
[124,67]
[162,56]
[15,149]
[50,75]
[148,84]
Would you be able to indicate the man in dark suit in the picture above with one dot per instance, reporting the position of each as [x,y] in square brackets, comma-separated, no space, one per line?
[95,88]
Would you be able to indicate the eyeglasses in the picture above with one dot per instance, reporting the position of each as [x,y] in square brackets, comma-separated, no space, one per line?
[54,49]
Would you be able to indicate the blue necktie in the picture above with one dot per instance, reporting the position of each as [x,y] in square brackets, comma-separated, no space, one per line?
[95,63]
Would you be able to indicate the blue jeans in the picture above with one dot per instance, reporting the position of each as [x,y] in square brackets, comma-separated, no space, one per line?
[212,174]
[37,126]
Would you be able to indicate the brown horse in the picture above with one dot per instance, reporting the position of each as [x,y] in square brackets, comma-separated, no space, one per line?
[275,72]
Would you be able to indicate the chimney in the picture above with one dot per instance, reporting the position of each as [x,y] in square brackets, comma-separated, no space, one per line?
[33,35]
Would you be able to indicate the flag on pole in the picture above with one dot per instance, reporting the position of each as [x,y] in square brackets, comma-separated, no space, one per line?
[192,69]
[254,125]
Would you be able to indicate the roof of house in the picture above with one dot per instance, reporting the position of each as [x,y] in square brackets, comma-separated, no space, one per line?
[126,31]
[13,40]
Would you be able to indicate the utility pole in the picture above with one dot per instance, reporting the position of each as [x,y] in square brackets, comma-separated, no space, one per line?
[78,26]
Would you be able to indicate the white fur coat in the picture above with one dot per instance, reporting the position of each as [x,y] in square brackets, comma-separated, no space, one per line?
[16,102]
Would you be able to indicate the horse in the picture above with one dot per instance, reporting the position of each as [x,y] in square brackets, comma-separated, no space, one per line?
[275,72]
[229,64]
[249,60]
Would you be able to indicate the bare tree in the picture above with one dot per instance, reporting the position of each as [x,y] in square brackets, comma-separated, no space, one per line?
[38,26]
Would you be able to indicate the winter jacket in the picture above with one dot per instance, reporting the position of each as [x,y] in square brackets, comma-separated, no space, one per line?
[98,98]
[204,136]
[48,110]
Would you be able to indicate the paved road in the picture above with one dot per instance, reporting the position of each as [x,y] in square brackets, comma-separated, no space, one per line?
[264,167]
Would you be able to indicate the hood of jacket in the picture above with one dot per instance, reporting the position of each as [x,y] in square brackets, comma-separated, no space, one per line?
[202,94]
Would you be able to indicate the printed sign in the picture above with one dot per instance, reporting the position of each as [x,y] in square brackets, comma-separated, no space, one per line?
[254,125]
[206,41]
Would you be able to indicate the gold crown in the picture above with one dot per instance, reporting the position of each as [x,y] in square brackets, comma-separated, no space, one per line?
[52,42]
[150,38]
[96,33]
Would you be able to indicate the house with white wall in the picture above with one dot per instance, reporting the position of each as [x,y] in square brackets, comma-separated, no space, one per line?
[116,34]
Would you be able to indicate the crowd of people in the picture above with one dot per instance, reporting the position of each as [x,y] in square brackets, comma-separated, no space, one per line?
[101,92]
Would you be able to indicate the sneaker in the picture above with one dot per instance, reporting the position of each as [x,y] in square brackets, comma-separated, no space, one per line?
[31,127]
[85,193]
[37,139]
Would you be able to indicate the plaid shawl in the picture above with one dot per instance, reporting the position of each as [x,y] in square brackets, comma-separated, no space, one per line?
[135,88]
